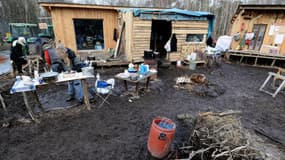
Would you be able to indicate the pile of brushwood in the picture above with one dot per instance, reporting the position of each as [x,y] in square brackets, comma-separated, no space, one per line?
[218,136]
[199,85]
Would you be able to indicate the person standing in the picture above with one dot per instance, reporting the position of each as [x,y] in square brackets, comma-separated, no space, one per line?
[52,58]
[18,52]
[74,87]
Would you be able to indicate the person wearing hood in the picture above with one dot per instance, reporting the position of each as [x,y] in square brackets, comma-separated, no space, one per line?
[18,52]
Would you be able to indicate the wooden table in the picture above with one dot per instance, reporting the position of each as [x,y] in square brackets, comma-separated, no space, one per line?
[19,86]
[140,79]
[82,77]
[23,90]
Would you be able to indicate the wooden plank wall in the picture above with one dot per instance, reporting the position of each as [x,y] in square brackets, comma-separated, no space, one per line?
[127,17]
[181,29]
[62,19]
[268,18]
[140,38]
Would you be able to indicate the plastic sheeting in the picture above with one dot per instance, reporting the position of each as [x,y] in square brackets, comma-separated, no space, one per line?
[223,43]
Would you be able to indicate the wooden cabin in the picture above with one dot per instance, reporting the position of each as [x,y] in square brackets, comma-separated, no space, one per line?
[267,25]
[153,28]
[92,29]
[84,28]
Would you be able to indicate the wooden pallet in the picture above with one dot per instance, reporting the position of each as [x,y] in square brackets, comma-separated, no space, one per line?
[204,63]
[243,55]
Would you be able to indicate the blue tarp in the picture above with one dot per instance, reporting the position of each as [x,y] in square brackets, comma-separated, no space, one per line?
[208,15]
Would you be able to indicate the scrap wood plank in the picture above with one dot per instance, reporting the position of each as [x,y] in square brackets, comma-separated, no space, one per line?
[119,41]
[3,103]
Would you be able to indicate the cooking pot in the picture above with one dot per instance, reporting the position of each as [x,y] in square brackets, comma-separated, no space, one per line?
[148,54]
[49,77]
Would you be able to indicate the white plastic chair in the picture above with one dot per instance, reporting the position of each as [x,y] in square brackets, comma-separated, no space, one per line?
[105,91]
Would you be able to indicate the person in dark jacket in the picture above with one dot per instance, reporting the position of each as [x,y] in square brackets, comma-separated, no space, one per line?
[74,87]
[52,58]
[18,53]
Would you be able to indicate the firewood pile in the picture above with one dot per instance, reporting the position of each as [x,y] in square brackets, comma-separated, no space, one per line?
[198,84]
[218,136]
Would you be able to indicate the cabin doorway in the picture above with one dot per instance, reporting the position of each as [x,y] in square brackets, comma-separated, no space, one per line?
[259,32]
[160,34]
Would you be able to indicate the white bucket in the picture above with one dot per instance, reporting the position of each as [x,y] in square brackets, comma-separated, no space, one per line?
[178,64]
[192,65]
[193,56]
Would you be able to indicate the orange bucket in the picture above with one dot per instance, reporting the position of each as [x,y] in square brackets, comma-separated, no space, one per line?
[160,137]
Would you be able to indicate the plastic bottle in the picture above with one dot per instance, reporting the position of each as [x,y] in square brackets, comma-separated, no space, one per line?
[98,76]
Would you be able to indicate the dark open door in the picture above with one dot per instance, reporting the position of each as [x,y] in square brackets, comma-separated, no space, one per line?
[160,34]
[259,32]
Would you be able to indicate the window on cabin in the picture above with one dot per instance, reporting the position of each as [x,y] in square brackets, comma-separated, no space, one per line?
[89,34]
[194,37]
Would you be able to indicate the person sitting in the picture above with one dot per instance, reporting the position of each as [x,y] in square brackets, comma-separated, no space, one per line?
[18,53]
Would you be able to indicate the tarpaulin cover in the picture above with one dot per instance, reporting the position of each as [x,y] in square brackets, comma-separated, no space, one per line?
[210,16]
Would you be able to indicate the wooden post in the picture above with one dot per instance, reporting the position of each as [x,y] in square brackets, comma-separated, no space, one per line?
[147,84]
[30,65]
[137,89]
[119,41]
[85,94]
[28,107]
[3,103]
[126,85]
[38,64]
[38,101]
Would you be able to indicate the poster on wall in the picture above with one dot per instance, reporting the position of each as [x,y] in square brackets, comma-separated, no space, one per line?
[279,39]
[271,30]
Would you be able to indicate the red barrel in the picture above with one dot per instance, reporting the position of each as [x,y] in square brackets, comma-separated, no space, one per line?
[160,138]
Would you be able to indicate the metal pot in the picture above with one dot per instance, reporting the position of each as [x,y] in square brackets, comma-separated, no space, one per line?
[148,54]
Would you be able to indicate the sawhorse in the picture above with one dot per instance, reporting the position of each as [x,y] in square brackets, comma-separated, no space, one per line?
[275,76]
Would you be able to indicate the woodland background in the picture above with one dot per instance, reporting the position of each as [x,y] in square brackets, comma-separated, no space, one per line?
[28,11]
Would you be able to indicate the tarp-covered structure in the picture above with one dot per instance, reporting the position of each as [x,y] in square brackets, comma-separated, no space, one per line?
[175,14]
[153,28]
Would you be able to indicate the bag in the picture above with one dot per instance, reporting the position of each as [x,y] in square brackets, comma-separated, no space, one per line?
[167,46]
[47,58]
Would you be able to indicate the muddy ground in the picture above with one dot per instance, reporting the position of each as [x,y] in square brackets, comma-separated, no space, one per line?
[120,131]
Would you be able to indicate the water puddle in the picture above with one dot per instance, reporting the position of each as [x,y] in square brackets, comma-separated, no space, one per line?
[5,65]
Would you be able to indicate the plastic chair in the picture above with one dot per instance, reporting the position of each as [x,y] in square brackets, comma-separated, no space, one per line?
[103,89]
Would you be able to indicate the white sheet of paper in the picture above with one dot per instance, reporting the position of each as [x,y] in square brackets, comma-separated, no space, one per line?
[271,30]
[279,39]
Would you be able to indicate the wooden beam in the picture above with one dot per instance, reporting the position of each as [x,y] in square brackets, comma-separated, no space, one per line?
[119,41]
[3,103]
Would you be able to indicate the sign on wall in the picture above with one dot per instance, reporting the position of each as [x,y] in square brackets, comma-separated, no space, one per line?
[43,26]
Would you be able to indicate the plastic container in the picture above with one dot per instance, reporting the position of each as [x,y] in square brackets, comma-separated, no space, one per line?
[160,137]
[178,63]
[192,65]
